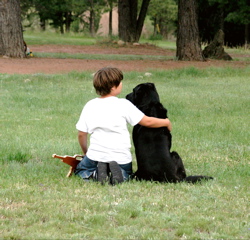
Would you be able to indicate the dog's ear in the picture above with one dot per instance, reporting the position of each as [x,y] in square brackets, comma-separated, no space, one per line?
[152,93]
[135,95]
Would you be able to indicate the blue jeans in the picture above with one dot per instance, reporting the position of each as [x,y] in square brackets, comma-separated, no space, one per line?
[87,168]
[126,170]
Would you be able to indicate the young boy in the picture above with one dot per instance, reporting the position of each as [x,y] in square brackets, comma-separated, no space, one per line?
[105,118]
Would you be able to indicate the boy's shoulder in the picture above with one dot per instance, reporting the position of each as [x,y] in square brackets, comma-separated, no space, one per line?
[124,101]
[90,103]
[109,100]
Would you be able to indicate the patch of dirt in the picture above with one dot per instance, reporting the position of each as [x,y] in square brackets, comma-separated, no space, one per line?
[33,65]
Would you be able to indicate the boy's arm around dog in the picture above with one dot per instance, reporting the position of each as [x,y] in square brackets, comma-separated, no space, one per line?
[153,122]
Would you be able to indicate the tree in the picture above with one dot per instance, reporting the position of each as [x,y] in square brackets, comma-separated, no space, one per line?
[44,10]
[94,15]
[163,14]
[241,15]
[59,11]
[11,35]
[233,17]
[110,7]
[188,42]
[129,24]
[215,49]
[87,12]
[210,20]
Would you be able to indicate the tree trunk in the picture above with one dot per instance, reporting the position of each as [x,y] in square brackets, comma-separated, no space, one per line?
[68,20]
[127,11]
[110,17]
[42,24]
[221,19]
[61,24]
[11,34]
[188,42]
[129,27]
[61,28]
[163,28]
[246,36]
[110,23]
[155,28]
[141,19]
[215,49]
[92,22]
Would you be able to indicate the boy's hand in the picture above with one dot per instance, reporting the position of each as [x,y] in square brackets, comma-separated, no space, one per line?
[169,125]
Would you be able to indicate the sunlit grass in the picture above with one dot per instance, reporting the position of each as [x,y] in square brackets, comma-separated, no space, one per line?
[46,38]
[40,38]
[209,112]
[97,56]
[171,45]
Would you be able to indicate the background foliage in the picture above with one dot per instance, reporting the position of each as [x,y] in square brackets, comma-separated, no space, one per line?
[83,16]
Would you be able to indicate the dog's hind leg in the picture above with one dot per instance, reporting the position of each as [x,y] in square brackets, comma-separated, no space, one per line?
[180,169]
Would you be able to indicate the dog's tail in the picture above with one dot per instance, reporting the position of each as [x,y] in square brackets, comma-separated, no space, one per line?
[196,179]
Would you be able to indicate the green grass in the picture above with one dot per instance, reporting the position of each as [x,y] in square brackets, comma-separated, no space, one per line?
[46,38]
[122,57]
[171,45]
[209,109]
[40,38]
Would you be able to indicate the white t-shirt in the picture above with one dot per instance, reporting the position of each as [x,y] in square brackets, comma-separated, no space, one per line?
[106,120]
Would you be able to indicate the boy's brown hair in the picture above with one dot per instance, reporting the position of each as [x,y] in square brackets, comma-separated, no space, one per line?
[105,79]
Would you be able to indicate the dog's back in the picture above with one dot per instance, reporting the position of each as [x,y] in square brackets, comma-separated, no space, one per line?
[153,155]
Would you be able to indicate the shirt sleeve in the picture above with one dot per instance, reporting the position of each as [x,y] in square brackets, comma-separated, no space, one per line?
[81,124]
[133,114]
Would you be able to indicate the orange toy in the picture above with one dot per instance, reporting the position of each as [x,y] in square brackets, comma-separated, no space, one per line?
[70,160]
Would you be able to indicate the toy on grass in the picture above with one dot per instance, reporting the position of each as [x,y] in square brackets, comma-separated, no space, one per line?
[70,160]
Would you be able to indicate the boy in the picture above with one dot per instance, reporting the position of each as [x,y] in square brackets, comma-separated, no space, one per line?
[105,119]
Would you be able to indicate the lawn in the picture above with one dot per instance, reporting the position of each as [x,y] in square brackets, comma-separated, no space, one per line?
[209,109]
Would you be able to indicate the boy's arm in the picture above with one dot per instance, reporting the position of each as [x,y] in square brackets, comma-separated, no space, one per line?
[153,122]
[83,141]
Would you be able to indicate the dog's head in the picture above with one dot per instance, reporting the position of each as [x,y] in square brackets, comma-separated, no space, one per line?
[143,94]
[146,98]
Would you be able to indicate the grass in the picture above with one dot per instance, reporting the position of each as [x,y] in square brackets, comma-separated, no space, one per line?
[122,57]
[40,38]
[209,111]
[46,38]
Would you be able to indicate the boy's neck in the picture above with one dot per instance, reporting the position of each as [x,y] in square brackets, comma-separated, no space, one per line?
[109,95]
[106,96]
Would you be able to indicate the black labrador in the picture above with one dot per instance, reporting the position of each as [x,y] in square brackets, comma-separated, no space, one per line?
[152,145]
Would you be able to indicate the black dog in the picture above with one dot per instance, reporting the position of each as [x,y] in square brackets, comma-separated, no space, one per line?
[152,145]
